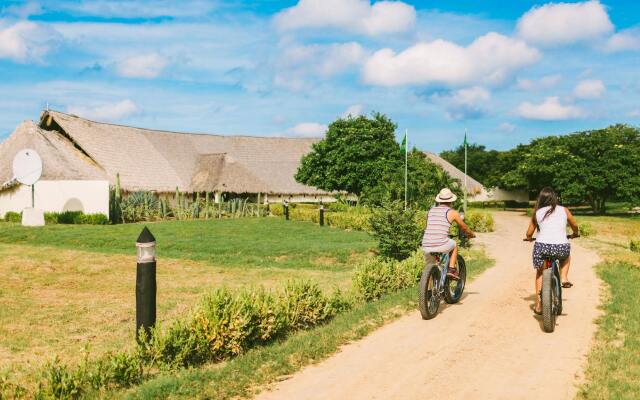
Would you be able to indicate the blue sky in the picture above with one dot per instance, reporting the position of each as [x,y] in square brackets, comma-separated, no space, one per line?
[506,71]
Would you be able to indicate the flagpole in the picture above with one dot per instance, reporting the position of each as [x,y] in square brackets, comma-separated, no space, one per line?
[464,207]
[406,151]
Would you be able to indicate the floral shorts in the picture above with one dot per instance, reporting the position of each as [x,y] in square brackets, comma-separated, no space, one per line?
[548,251]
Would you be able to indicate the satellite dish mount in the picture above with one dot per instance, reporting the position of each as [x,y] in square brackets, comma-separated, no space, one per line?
[27,169]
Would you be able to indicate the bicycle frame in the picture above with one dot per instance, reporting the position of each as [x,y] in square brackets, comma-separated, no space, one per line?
[442,261]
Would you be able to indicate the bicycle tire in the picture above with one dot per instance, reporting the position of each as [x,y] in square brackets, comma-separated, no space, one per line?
[548,295]
[429,299]
[454,296]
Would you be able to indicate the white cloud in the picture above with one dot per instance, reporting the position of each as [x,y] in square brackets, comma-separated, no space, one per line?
[556,24]
[360,16]
[634,113]
[589,89]
[549,110]
[307,129]
[354,110]
[142,66]
[26,41]
[489,59]
[545,82]
[106,112]
[298,63]
[507,127]
[468,103]
[626,40]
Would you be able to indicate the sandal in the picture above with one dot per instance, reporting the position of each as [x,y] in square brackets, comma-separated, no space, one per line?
[537,312]
[567,284]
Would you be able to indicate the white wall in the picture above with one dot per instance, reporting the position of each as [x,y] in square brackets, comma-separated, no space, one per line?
[91,197]
[496,194]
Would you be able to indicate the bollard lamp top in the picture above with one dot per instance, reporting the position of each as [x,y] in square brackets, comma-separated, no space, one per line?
[146,246]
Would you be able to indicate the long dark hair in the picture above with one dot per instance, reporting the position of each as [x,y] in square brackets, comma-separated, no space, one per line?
[546,198]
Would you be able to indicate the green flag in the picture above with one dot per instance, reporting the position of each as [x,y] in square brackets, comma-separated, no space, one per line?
[465,139]
[403,145]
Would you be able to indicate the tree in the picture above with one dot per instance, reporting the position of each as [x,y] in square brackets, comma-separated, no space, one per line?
[355,154]
[424,181]
[396,230]
[592,166]
[482,163]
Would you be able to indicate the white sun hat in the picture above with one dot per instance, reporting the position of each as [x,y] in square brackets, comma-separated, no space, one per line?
[446,196]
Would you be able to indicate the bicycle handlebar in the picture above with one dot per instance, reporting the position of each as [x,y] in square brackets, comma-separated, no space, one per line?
[534,239]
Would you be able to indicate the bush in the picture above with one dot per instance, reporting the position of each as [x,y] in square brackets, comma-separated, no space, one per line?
[396,230]
[12,216]
[376,277]
[479,221]
[634,245]
[304,304]
[75,217]
[139,206]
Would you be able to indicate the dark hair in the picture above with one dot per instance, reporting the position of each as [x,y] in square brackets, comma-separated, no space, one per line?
[546,198]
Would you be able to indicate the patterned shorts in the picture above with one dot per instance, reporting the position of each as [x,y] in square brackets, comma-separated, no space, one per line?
[547,251]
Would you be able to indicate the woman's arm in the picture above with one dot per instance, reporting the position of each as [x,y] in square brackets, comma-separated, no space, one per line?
[572,223]
[531,230]
[455,217]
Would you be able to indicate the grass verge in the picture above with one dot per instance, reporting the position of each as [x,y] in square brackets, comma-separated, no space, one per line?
[613,370]
[242,376]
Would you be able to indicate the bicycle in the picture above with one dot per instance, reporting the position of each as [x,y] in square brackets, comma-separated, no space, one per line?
[551,293]
[435,284]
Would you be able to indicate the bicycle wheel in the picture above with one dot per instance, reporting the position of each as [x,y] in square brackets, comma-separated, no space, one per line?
[429,299]
[453,288]
[558,290]
[548,299]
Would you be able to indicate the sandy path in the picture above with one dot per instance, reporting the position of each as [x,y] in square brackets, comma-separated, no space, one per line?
[490,344]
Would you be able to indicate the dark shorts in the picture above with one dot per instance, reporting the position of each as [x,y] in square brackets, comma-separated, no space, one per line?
[547,251]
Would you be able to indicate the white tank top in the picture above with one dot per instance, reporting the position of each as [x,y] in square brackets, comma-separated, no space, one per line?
[553,229]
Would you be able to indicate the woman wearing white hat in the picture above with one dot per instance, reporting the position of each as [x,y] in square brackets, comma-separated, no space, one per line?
[436,236]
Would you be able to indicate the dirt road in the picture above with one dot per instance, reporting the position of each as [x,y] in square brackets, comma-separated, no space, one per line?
[489,346]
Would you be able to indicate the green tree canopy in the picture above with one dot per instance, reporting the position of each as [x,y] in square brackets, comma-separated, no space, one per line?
[482,164]
[354,155]
[424,181]
[592,166]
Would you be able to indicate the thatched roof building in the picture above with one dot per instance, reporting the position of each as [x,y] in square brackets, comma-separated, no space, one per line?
[74,148]
[473,186]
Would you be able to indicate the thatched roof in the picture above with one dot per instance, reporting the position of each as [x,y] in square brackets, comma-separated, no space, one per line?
[60,159]
[473,186]
[163,161]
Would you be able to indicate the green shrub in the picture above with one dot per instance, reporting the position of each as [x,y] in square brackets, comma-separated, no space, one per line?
[354,220]
[479,221]
[376,277]
[586,229]
[634,245]
[140,206]
[12,216]
[304,304]
[59,382]
[396,230]
[75,217]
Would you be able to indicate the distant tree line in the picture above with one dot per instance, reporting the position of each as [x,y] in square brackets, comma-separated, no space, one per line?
[590,167]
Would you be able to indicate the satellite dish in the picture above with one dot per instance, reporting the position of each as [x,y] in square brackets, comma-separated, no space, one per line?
[27,167]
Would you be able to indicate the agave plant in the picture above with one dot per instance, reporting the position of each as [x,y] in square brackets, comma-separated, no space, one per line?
[139,206]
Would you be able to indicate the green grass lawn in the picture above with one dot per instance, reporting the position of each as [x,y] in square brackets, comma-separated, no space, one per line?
[67,287]
[613,369]
[264,242]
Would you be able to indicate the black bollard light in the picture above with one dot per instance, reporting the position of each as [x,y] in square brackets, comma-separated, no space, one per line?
[286,210]
[145,283]
[321,214]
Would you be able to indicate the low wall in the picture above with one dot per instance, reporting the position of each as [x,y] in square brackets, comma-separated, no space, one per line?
[496,194]
[90,197]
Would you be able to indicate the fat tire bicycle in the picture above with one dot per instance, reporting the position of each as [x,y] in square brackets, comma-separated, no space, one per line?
[551,293]
[436,284]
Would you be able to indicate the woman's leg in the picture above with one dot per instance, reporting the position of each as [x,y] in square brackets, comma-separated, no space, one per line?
[538,289]
[564,269]
[453,258]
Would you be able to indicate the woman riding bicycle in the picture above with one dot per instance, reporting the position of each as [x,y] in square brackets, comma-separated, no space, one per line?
[436,235]
[550,219]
